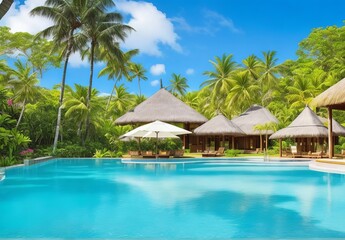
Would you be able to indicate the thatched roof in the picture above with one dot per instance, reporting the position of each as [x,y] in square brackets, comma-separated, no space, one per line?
[338,129]
[307,124]
[255,115]
[333,97]
[162,106]
[219,125]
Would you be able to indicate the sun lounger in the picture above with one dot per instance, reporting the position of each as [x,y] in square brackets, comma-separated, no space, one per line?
[178,153]
[294,152]
[218,153]
[164,154]
[148,154]
[134,153]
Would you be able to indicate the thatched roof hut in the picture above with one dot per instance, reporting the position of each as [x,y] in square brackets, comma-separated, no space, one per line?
[219,125]
[333,97]
[162,106]
[307,124]
[255,115]
[338,129]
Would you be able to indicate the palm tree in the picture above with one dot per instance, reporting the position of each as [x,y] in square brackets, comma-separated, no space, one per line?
[4,7]
[138,71]
[77,109]
[269,76]
[219,78]
[178,84]
[243,93]
[300,94]
[117,70]
[68,16]
[122,100]
[103,31]
[24,83]
[253,66]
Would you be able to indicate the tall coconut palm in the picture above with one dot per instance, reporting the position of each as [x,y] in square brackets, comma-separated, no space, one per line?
[178,84]
[24,83]
[219,79]
[269,76]
[5,6]
[102,30]
[116,69]
[67,16]
[138,71]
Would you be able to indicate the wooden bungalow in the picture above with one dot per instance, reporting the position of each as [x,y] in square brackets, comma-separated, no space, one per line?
[248,121]
[332,98]
[166,107]
[217,132]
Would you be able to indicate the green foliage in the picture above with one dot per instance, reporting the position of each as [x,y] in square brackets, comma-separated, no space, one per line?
[232,152]
[105,153]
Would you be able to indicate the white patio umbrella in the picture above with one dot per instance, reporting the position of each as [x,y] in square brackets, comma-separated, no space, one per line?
[157,129]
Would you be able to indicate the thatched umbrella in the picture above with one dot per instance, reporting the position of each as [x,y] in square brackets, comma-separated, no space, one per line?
[306,125]
[332,98]
[162,106]
[219,125]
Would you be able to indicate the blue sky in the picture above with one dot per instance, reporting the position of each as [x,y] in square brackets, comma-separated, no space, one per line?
[183,36]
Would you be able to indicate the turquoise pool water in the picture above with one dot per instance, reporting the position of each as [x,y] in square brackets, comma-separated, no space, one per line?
[108,199]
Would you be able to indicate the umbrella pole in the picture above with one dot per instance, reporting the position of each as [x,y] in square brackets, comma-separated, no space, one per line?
[156,145]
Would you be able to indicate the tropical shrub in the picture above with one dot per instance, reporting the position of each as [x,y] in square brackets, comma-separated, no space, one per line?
[233,152]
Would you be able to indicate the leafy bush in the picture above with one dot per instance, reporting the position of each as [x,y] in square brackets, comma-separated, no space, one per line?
[233,152]
[338,148]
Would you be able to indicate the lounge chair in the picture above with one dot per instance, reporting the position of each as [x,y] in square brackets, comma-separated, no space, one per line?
[178,153]
[294,152]
[148,154]
[218,153]
[315,154]
[164,154]
[134,153]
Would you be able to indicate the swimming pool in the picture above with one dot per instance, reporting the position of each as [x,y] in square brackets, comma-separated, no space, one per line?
[73,198]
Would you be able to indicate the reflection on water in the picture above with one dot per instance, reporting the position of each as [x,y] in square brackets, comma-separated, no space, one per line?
[107,199]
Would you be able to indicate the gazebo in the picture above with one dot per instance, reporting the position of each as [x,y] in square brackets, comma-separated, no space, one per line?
[211,131]
[332,98]
[248,121]
[307,130]
[165,107]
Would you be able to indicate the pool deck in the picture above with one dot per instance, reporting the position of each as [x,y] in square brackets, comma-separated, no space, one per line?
[328,165]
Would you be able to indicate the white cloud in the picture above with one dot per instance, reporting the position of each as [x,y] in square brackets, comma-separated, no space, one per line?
[75,61]
[157,69]
[215,18]
[19,20]
[190,71]
[152,28]
[103,94]
[155,83]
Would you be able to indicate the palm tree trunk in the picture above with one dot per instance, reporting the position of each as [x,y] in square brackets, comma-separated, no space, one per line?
[21,114]
[88,99]
[139,86]
[111,95]
[62,92]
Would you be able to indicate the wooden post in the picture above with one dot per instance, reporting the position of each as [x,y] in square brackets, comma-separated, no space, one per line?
[260,143]
[266,142]
[233,142]
[330,134]
[280,148]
